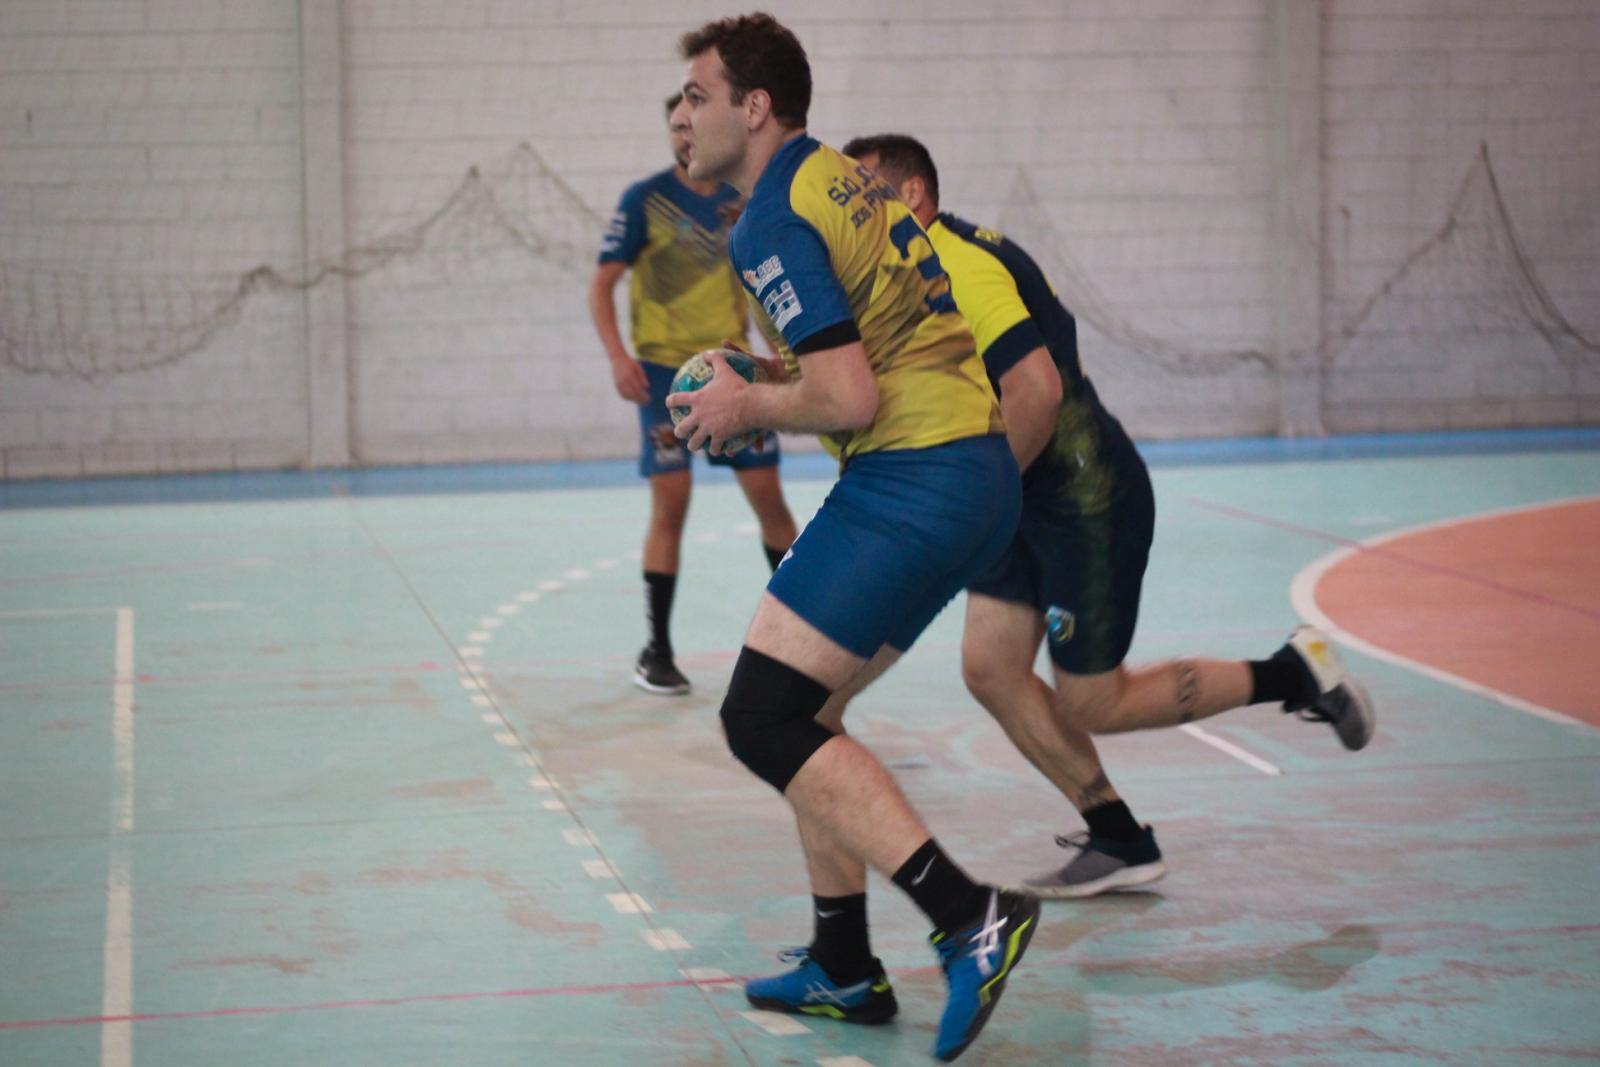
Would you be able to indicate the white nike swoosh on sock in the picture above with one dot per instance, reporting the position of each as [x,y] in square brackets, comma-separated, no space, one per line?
[918,879]
[829,914]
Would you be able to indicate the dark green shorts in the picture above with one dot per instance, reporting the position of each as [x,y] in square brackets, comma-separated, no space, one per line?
[1083,570]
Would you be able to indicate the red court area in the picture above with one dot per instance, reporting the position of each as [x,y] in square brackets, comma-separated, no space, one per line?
[1508,601]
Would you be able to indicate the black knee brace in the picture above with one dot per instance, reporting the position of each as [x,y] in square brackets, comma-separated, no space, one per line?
[769,716]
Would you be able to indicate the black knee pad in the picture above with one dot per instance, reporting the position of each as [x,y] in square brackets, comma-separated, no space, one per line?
[769,716]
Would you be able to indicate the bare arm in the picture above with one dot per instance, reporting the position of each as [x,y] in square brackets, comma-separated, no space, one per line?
[1030,396]
[835,391]
[626,373]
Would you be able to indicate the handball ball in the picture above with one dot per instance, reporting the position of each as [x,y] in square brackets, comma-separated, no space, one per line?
[698,371]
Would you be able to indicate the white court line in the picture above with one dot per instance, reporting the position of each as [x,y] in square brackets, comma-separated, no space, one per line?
[665,940]
[116,997]
[116,1003]
[629,903]
[1303,595]
[1231,749]
[712,976]
[774,1023]
[843,1061]
[45,613]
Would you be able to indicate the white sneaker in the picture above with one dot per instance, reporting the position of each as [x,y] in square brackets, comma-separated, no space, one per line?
[1340,700]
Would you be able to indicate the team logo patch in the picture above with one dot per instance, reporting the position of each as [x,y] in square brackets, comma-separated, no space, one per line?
[1060,624]
[759,278]
[781,305]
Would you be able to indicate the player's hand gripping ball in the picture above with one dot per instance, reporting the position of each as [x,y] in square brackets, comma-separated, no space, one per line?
[698,371]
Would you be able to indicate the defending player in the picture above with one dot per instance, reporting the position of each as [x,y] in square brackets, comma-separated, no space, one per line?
[1074,571]
[672,231]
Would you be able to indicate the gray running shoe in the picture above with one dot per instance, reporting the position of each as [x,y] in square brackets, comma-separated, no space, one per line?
[1332,696]
[656,673]
[1100,865]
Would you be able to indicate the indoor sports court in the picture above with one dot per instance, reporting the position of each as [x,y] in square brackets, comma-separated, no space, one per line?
[348,769]
[322,527]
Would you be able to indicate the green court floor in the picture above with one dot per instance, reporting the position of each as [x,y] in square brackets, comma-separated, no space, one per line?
[336,778]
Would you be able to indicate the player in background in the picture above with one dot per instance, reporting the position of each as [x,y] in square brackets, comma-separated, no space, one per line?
[1073,573]
[671,232]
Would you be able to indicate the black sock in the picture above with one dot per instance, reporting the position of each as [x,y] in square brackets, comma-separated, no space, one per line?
[1280,679]
[941,889]
[658,590]
[840,945]
[774,555]
[1113,820]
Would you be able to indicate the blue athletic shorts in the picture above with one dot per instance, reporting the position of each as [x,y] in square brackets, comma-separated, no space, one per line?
[660,452]
[900,534]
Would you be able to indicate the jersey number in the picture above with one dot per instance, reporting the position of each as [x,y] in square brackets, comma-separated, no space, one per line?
[902,234]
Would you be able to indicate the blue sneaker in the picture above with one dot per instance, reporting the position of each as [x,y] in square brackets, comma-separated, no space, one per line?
[977,962]
[808,990]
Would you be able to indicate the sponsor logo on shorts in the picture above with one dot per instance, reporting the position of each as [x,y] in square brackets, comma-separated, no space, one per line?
[1060,624]
[664,443]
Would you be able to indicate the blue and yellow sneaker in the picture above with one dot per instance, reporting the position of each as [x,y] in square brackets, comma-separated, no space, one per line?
[977,962]
[808,990]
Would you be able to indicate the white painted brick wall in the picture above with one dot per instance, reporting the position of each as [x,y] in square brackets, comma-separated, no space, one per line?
[1412,90]
[139,139]
[164,135]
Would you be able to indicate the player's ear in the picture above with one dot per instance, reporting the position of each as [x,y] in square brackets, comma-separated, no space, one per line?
[757,106]
[912,191]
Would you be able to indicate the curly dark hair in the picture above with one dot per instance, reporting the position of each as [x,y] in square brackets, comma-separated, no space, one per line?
[758,52]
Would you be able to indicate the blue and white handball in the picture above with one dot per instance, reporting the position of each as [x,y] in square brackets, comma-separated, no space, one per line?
[697,371]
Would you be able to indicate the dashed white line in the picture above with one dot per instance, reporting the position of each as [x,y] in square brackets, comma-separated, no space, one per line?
[577,835]
[778,1025]
[710,977]
[628,903]
[598,869]
[529,597]
[664,940]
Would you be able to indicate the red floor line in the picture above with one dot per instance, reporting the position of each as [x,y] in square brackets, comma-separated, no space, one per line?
[345,1005]
[388,1002]
[1397,557]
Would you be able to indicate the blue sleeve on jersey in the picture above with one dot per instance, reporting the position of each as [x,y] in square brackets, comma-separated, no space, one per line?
[1010,347]
[626,232]
[785,264]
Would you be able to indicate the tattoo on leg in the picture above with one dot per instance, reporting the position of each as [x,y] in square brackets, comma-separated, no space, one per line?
[1188,690]
[1095,792]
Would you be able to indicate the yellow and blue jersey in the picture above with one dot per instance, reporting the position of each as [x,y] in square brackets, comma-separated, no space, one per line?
[1013,310]
[828,254]
[683,297]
